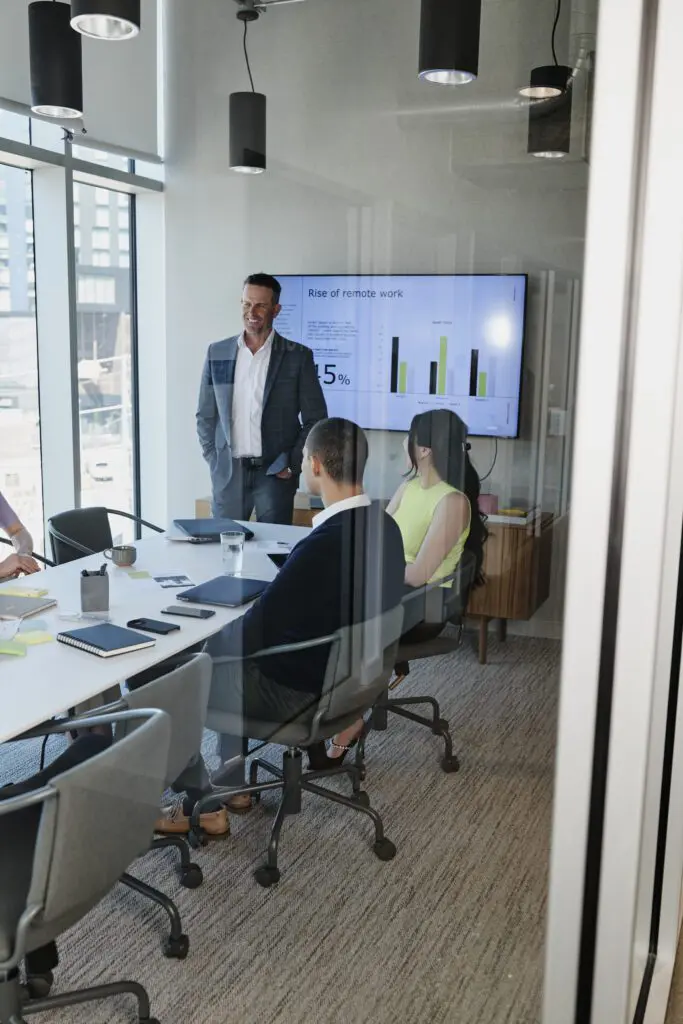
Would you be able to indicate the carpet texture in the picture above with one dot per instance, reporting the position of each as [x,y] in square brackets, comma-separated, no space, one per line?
[452,930]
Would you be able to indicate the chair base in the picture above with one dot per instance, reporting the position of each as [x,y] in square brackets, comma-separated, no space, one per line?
[14,1007]
[436,724]
[292,781]
[177,945]
[191,875]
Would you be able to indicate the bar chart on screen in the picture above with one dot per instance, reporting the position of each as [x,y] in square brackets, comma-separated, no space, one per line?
[386,348]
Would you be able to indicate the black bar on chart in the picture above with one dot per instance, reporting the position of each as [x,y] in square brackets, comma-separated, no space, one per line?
[394,366]
[474,372]
[433,372]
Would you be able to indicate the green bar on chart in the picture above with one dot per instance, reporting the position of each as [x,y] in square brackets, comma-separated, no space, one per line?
[443,353]
[402,378]
[481,390]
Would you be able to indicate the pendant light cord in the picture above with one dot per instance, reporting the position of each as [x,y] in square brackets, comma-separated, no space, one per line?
[246,57]
[552,38]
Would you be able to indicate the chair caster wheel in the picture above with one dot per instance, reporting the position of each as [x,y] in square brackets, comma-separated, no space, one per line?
[384,849]
[197,838]
[267,876]
[440,727]
[450,764]
[191,877]
[361,798]
[176,949]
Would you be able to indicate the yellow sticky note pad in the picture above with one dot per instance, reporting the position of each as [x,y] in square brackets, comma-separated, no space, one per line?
[23,592]
[34,638]
[12,647]
[139,574]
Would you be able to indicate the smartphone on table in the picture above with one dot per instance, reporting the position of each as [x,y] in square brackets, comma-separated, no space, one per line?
[188,612]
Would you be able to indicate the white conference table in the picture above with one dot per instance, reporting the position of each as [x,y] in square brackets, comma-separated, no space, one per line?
[54,677]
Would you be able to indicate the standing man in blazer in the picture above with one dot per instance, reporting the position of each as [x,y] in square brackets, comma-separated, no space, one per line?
[259,398]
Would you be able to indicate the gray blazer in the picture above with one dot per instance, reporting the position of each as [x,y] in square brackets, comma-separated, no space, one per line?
[293,402]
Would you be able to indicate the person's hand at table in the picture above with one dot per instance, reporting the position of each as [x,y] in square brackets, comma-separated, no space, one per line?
[16,565]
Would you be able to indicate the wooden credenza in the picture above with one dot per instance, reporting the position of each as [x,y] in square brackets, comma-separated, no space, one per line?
[517,561]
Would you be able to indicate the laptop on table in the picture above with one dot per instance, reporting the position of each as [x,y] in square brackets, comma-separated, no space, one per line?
[224,591]
[208,531]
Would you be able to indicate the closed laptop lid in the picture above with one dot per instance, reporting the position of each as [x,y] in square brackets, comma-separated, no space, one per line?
[211,528]
[226,591]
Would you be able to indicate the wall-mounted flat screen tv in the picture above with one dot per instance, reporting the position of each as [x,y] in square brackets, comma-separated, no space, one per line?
[389,346]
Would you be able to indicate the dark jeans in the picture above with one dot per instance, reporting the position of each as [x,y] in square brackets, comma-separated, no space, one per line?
[251,489]
[45,959]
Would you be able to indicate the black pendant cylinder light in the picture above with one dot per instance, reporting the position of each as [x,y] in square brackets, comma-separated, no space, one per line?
[55,59]
[550,126]
[449,41]
[248,132]
[114,20]
[247,119]
[546,81]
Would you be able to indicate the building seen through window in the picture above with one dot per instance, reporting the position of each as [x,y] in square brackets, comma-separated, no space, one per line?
[20,458]
[104,350]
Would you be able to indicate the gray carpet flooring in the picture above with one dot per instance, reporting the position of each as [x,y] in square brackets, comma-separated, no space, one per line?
[452,930]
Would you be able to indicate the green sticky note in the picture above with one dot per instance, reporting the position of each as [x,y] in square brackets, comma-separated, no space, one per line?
[37,636]
[12,647]
[140,574]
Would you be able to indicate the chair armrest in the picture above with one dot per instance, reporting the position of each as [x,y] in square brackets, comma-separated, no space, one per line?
[301,645]
[111,711]
[68,540]
[134,519]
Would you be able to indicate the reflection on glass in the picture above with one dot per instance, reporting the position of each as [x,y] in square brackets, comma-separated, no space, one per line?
[20,476]
[104,355]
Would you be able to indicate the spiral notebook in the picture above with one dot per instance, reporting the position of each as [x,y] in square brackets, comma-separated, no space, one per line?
[106,640]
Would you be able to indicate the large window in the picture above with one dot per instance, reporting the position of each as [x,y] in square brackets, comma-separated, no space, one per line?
[104,352]
[20,472]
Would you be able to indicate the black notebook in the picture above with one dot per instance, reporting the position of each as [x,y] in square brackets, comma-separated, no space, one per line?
[106,640]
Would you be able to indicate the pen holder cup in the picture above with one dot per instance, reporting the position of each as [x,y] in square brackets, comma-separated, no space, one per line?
[95,593]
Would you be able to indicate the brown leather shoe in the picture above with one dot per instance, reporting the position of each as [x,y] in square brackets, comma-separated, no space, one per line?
[174,822]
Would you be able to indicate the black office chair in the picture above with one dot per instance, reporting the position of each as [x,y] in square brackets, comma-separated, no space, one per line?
[84,531]
[431,604]
[359,666]
[34,554]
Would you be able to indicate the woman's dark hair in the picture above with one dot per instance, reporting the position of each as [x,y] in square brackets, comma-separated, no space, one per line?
[446,434]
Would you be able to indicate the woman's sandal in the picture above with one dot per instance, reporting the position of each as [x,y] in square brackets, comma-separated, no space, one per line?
[319,759]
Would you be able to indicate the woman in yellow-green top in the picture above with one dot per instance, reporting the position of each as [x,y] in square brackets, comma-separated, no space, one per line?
[437,511]
[437,508]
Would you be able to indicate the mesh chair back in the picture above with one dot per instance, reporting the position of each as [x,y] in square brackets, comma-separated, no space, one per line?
[360,665]
[435,603]
[87,527]
[101,821]
[183,693]
[455,602]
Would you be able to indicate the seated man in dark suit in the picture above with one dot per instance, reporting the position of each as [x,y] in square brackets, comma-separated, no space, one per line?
[349,568]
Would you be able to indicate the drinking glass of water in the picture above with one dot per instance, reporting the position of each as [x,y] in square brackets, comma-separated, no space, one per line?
[232,546]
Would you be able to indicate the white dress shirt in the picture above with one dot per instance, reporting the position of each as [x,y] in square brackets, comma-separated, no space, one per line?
[357,501]
[247,398]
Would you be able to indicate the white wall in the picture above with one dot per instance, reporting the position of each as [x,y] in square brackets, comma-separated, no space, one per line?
[369,170]
[119,81]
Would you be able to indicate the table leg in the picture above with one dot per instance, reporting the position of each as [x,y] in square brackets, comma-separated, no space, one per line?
[483,638]
[502,630]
